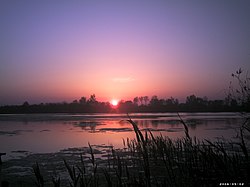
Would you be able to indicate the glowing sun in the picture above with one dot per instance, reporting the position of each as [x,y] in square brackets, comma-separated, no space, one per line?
[114,102]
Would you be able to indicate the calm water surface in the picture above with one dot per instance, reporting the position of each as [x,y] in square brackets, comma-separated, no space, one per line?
[47,133]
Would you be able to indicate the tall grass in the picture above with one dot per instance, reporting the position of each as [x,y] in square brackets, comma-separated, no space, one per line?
[152,160]
[39,178]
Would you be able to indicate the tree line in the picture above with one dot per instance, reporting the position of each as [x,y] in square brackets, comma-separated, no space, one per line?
[138,104]
[237,100]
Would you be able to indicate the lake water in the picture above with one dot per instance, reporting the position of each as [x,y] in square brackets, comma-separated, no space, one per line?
[48,133]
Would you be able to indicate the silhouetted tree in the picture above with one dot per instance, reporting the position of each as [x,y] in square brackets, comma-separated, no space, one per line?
[162,102]
[141,100]
[26,104]
[194,103]
[126,106]
[172,101]
[146,99]
[136,100]
[92,99]
[191,100]
[240,92]
[83,100]
[154,100]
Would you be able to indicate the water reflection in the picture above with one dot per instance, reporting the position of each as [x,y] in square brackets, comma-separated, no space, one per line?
[17,136]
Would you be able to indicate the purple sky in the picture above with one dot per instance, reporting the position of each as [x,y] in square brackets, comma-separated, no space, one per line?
[62,50]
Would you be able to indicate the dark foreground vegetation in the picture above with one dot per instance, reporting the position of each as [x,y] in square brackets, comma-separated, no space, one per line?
[152,160]
[160,161]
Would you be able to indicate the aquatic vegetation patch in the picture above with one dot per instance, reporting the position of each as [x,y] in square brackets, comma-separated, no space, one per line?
[115,129]
[8,133]
[45,130]
[13,133]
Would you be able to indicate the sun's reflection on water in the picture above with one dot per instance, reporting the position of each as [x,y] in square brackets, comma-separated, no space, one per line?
[55,135]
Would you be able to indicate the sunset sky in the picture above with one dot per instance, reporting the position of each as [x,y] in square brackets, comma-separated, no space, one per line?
[52,51]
